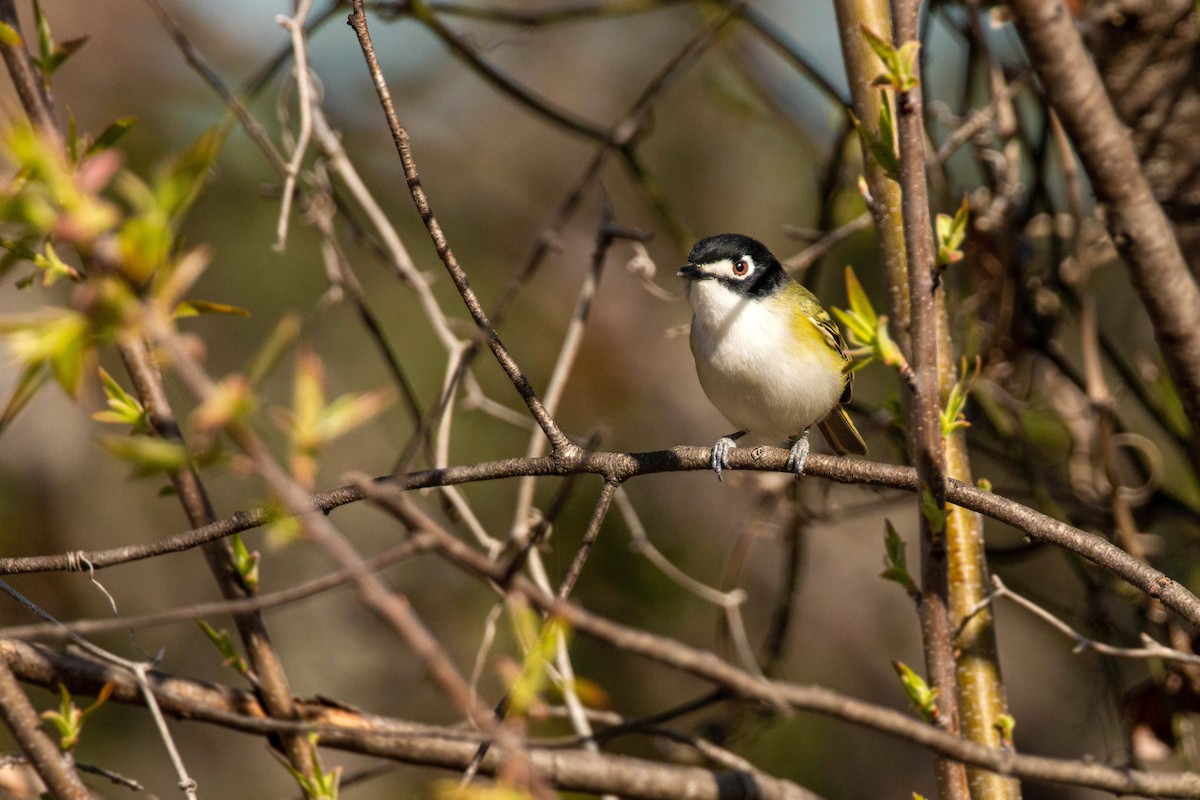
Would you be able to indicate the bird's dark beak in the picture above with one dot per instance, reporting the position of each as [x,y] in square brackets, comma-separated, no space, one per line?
[689,271]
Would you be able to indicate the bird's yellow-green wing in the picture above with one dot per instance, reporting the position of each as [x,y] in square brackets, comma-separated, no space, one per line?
[811,317]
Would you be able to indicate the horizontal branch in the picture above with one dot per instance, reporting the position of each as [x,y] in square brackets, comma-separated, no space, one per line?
[621,467]
[341,728]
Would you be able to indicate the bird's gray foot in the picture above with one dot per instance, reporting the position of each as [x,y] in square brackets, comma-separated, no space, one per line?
[720,452]
[798,455]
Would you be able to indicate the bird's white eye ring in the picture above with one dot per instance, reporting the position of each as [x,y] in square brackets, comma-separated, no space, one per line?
[741,266]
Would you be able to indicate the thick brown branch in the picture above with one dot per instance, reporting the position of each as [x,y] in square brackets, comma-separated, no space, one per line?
[624,466]
[924,429]
[423,744]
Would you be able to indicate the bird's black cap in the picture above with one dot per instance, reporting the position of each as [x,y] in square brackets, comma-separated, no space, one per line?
[733,246]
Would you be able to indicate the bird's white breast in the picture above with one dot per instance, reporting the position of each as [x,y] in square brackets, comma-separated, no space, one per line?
[752,366]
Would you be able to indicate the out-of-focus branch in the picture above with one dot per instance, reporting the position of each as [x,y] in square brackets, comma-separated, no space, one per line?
[709,667]
[341,728]
[1136,222]
[22,719]
[401,552]
[273,682]
[30,90]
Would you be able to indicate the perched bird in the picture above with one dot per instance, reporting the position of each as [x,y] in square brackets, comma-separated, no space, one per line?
[768,355]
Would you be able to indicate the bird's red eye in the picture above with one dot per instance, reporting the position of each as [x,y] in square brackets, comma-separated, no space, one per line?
[741,267]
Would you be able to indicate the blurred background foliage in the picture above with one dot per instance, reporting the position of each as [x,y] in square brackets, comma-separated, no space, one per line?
[741,141]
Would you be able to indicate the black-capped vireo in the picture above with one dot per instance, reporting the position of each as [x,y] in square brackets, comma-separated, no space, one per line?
[768,355]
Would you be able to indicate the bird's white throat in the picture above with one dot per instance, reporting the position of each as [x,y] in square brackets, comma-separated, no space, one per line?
[753,367]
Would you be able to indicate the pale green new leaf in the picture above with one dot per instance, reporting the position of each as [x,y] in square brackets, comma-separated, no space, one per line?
[147,454]
[123,408]
[111,135]
[920,695]
[9,36]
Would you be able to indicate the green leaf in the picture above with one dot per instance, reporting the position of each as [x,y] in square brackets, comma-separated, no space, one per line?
[951,416]
[282,528]
[63,342]
[111,135]
[224,644]
[859,320]
[53,268]
[933,513]
[285,334]
[32,379]
[51,54]
[194,308]
[1006,724]
[884,49]
[860,304]
[883,148]
[147,454]
[866,330]
[922,698]
[245,562]
[351,410]
[534,678]
[881,143]
[231,400]
[46,46]
[74,143]
[951,232]
[453,790]
[145,244]
[899,65]
[897,562]
[179,182]
[18,250]
[886,349]
[123,408]
[9,36]
[321,785]
[907,66]
[68,719]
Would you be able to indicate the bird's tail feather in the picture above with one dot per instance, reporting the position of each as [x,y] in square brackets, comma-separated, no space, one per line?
[841,434]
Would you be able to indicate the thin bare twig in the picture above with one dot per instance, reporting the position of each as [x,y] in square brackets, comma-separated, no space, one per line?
[305,100]
[561,445]
[261,602]
[196,61]
[606,234]
[1149,649]
[589,538]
